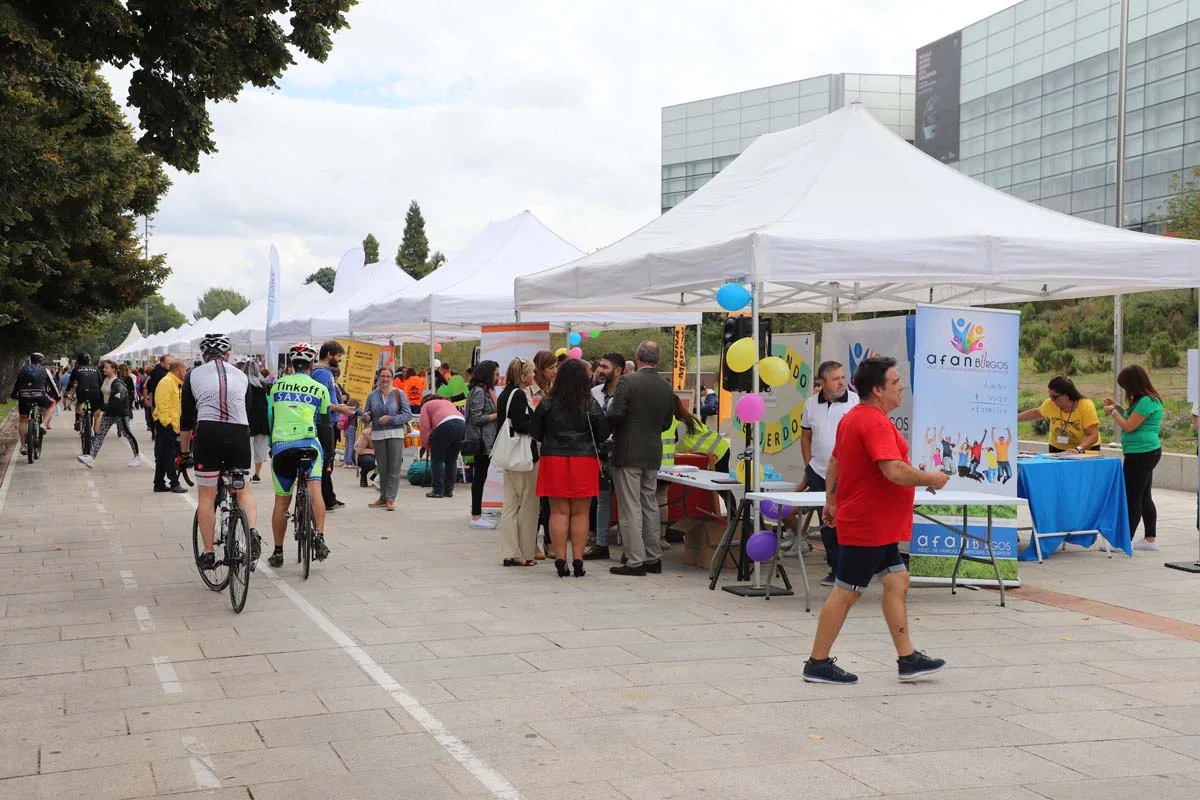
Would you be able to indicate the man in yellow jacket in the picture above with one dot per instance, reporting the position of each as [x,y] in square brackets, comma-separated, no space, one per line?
[168,408]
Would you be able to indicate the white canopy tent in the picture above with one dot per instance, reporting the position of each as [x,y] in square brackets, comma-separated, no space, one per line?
[842,214]
[475,288]
[189,342]
[248,329]
[131,338]
[318,317]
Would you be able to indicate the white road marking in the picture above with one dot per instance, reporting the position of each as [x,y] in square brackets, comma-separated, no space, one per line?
[116,547]
[143,617]
[94,494]
[127,576]
[202,766]
[167,675]
[483,772]
[101,507]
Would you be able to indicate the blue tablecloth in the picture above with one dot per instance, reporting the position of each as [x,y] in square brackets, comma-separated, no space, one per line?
[1075,495]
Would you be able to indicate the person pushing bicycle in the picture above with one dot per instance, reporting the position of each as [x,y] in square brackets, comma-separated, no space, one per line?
[295,405]
[214,397]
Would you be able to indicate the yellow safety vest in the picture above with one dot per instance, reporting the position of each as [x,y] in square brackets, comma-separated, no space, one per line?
[668,445]
[704,440]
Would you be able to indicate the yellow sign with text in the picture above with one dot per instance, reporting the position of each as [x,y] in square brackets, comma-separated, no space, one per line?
[358,368]
[679,379]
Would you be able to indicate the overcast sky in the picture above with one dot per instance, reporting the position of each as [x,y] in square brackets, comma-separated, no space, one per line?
[482,110]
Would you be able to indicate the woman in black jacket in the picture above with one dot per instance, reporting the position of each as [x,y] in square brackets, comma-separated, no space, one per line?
[568,424]
[117,402]
[519,520]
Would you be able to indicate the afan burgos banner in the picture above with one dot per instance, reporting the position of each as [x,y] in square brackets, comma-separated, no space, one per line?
[848,343]
[965,417]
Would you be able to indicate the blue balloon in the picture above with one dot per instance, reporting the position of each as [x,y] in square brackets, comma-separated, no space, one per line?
[733,297]
[574,338]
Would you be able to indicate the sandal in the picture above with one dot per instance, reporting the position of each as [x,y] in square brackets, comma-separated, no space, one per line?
[518,562]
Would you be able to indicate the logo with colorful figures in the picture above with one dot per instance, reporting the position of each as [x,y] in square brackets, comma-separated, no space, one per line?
[965,336]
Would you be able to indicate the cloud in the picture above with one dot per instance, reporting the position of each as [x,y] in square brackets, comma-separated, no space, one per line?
[480,111]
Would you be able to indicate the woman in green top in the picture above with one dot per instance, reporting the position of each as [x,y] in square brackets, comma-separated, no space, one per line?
[1142,444]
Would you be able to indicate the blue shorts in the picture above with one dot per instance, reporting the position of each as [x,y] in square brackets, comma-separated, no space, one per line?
[285,463]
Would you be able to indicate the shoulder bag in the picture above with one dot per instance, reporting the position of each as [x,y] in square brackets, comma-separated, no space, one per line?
[512,451]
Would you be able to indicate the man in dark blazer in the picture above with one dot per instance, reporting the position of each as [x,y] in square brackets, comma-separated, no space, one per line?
[642,409]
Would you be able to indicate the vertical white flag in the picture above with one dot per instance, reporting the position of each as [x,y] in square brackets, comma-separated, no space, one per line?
[351,264]
[273,299]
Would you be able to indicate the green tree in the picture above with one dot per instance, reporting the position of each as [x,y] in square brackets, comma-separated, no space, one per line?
[371,248]
[1181,211]
[413,254]
[323,277]
[185,55]
[216,300]
[75,183]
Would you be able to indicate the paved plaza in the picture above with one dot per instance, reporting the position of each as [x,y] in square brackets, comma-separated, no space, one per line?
[412,665]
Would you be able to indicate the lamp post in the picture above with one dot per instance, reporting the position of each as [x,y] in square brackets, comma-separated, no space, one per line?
[1118,301]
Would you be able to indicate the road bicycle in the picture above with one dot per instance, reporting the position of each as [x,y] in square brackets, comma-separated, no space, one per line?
[232,542]
[86,419]
[33,434]
[302,518]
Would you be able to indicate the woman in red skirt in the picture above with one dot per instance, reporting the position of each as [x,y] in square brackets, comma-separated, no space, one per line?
[567,424]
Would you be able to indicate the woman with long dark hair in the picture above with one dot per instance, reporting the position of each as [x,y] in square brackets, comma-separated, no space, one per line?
[545,368]
[568,424]
[481,433]
[1141,441]
[117,402]
[1074,425]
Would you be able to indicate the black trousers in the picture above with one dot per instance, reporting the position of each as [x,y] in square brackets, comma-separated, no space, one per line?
[828,535]
[444,445]
[1139,477]
[479,473]
[326,438]
[166,447]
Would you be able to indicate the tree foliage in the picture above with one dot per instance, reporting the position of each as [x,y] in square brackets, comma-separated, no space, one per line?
[371,248]
[1181,212]
[74,183]
[185,54]
[324,277]
[413,253]
[216,300]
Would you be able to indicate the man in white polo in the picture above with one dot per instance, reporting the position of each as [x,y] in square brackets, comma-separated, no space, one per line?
[823,413]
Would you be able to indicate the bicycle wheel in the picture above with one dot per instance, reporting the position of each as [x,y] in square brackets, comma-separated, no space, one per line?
[299,515]
[215,579]
[85,430]
[237,557]
[31,438]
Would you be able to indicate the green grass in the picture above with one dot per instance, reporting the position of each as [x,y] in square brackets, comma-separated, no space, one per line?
[978,514]
[943,567]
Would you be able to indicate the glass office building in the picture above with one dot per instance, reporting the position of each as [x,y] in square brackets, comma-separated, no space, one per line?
[701,138]
[1026,101]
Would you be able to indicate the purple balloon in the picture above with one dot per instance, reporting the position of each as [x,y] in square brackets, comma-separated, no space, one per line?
[774,511]
[761,546]
[750,408]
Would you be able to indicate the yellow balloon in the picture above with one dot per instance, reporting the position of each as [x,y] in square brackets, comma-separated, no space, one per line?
[740,471]
[741,355]
[774,371]
[562,351]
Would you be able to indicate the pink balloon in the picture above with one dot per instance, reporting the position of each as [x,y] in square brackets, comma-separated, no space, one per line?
[437,347]
[576,352]
[750,408]
[586,335]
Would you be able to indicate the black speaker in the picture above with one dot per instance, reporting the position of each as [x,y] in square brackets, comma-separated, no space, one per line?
[741,328]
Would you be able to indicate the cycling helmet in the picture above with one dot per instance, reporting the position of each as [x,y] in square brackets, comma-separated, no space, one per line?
[214,345]
[36,358]
[83,358]
[302,353]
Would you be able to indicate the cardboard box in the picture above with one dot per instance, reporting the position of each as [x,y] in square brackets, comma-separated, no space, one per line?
[701,537]
[702,556]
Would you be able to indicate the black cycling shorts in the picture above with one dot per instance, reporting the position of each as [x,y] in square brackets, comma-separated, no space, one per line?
[218,446]
[26,404]
[92,398]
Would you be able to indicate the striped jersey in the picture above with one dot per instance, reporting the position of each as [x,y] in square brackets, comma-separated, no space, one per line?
[215,391]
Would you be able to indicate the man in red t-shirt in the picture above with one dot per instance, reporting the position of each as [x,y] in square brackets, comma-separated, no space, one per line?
[869,495]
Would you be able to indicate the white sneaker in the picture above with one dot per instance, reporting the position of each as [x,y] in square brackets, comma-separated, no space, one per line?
[1142,544]
[87,461]
[137,461]
[483,522]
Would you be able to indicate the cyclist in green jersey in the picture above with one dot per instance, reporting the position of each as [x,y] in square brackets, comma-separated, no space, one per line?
[294,406]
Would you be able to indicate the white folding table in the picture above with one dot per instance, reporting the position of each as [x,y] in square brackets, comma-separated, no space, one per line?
[924,497]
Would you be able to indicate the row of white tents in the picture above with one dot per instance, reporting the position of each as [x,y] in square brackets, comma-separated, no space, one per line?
[381,302]
[839,215]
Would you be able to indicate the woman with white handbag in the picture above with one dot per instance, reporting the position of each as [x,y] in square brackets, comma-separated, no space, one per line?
[516,453]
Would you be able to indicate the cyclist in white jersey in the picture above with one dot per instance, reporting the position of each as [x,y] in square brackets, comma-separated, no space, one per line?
[214,396]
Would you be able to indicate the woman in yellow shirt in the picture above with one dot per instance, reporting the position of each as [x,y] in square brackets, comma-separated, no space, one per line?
[1074,424]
